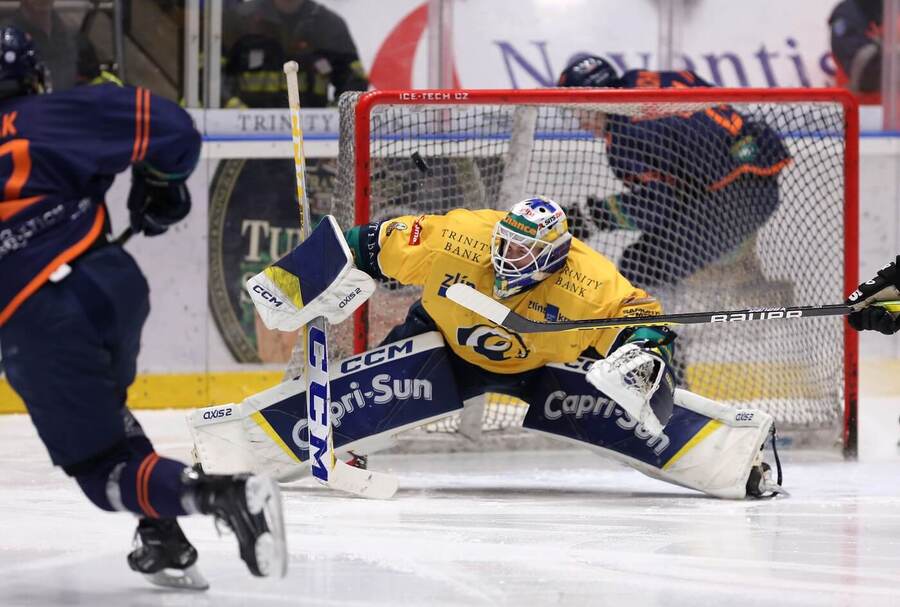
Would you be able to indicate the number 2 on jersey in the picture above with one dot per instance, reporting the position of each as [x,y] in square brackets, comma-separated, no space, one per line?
[21,167]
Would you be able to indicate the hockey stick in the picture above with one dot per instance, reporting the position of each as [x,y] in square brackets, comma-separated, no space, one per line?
[124,237]
[499,314]
[324,465]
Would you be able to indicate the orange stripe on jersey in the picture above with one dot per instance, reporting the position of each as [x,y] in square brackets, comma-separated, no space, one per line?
[146,139]
[143,484]
[8,208]
[749,168]
[138,123]
[138,484]
[66,256]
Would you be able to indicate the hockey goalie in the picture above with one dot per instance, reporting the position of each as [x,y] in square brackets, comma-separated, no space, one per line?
[610,390]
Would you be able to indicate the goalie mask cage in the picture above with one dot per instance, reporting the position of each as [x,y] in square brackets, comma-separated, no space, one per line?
[422,152]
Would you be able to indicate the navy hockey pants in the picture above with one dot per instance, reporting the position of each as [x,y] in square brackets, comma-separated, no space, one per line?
[70,351]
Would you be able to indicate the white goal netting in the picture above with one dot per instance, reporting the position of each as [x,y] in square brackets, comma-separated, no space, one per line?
[436,155]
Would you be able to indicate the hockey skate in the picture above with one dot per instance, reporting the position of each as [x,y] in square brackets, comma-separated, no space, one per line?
[760,483]
[358,460]
[165,556]
[251,507]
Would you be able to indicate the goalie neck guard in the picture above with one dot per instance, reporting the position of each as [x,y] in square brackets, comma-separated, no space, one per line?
[528,245]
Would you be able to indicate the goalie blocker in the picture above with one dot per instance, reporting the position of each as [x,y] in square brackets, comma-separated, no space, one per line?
[410,382]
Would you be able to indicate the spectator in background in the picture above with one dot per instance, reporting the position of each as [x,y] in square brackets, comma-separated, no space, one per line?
[253,73]
[856,27]
[261,34]
[67,53]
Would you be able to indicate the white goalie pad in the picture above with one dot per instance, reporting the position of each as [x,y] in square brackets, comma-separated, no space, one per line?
[235,438]
[375,395]
[227,440]
[717,461]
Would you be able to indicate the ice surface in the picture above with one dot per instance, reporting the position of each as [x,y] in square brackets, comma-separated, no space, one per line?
[524,528]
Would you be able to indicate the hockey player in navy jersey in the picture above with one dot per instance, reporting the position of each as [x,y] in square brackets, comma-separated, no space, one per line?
[697,184]
[73,304]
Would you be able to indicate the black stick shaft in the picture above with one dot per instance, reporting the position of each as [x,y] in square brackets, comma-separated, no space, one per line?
[122,238]
[521,324]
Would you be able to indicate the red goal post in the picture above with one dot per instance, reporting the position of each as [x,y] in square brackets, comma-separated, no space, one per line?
[820,125]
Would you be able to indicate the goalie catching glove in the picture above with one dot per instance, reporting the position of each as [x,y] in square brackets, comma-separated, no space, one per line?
[317,278]
[885,286]
[638,378]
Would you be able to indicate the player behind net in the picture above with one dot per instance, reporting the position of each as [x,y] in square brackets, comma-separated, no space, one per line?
[73,304]
[443,354]
[697,184]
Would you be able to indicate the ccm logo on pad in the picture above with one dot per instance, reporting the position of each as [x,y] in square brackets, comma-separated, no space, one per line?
[267,296]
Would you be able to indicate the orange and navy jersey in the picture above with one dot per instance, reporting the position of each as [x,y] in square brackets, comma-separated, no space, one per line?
[705,150]
[59,154]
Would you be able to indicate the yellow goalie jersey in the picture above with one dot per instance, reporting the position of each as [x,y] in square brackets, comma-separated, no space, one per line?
[436,251]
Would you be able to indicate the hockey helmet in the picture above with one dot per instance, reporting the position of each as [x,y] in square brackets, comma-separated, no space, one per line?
[21,70]
[589,71]
[528,244]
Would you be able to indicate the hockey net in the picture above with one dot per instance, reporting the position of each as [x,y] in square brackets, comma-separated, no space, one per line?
[418,152]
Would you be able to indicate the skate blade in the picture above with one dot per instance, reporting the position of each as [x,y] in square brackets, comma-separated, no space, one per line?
[263,495]
[774,489]
[180,579]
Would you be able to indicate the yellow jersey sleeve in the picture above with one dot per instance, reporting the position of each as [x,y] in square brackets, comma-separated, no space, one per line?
[407,247]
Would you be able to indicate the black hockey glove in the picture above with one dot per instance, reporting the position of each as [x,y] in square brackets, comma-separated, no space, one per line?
[580,225]
[599,216]
[608,213]
[155,203]
[883,287]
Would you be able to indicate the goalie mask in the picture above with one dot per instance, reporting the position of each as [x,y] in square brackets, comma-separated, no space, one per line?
[528,245]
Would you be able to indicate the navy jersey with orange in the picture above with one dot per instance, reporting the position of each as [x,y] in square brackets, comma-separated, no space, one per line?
[697,184]
[59,155]
[708,149]
[70,340]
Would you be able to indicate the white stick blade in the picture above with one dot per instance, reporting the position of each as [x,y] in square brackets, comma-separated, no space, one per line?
[478,302]
[364,483]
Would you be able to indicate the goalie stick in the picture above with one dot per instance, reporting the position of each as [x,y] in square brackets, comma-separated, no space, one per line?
[498,313]
[329,470]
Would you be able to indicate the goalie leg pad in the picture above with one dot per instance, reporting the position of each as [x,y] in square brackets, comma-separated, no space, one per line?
[705,446]
[375,395]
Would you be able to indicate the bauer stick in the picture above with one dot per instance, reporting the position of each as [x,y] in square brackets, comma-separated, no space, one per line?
[325,466]
[499,314]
